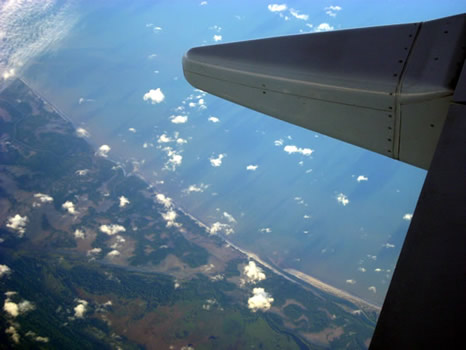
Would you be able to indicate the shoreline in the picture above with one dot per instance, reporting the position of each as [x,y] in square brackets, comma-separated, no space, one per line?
[301,276]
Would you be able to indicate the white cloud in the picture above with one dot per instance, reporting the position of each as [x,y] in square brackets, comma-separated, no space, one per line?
[13,333]
[170,217]
[407,216]
[372,289]
[324,27]
[124,201]
[69,206]
[362,269]
[342,199]
[181,141]
[378,270]
[14,310]
[332,10]
[362,178]
[94,251]
[37,338]
[81,132]
[252,167]
[17,223]
[4,270]
[203,3]
[219,227]
[112,229]
[113,253]
[229,217]
[213,119]
[389,245]
[290,149]
[82,172]
[79,234]
[175,159]
[351,281]
[80,309]
[196,188]
[265,230]
[254,273]
[261,300]
[297,15]
[278,142]
[162,199]
[42,198]
[179,119]
[277,7]
[133,130]
[154,96]
[216,162]
[103,151]
[217,37]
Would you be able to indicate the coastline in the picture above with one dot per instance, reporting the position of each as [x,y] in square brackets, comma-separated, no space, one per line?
[306,280]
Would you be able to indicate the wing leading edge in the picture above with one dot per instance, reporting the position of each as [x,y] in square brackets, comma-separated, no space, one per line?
[386,89]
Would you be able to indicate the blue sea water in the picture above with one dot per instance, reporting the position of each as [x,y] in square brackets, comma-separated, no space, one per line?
[286,210]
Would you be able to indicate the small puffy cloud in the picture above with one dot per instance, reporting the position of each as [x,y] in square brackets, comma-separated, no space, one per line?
[216,162]
[217,37]
[170,217]
[162,199]
[124,201]
[290,149]
[362,178]
[372,289]
[113,253]
[229,217]
[297,15]
[13,309]
[219,227]
[378,269]
[13,334]
[179,119]
[362,269]
[213,119]
[154,96]
[181,141]
[196,188]
[79,234]
[408,216]
[252,167]
[174,159]
[94,251]
[260,300]
[277,7]
[80,309]
[265,230]
[253,273]
[389,245]
[69,206]
[103,151]
[164,139]
[8,74]
[82,172]
[351,281]
[41,199]
[112,229]
[81,132]
[36,337]
[324,27]
[133,130]
[4,270]
[332,10]
[17,223]
[278,142]
[203,3]
[342,199]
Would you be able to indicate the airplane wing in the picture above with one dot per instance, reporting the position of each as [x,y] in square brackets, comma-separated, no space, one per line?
[397,90]
[386,89]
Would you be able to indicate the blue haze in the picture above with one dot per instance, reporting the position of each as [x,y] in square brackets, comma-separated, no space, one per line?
[105,60]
